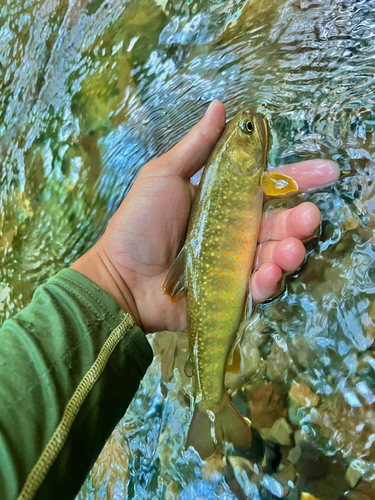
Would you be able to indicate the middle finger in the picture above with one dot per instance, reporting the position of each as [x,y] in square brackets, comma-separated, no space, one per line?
[299,222]
[288,254]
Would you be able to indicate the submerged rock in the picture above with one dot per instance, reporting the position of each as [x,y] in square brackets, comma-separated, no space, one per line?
[280,432]
[356,470]
[301,394]
[266,406]
[364,491]
[307,496]
[319,475]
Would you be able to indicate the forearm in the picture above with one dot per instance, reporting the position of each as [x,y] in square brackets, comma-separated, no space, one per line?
[47,352]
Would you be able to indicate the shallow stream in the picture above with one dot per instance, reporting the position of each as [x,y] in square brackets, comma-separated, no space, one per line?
[90,91]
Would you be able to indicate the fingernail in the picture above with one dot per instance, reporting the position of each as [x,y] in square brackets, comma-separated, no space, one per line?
[331,170]
[210,106]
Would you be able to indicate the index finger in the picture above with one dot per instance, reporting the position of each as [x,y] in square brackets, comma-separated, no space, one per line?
[311,174]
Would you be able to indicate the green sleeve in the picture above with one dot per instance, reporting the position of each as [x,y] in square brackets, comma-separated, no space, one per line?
[70,363]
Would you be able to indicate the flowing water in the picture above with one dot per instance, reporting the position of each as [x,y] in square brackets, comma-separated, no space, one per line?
[92,90]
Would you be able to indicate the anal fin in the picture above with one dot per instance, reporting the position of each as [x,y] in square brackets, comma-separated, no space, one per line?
[234,363]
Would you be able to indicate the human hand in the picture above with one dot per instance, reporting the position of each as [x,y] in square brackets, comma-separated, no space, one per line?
[132,259]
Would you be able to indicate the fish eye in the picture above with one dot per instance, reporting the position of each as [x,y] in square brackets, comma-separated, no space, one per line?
[247,126]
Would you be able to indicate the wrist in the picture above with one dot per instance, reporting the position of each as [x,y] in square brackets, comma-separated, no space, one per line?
[97,266]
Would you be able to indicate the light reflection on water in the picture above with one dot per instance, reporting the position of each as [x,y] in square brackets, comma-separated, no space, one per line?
[90,92]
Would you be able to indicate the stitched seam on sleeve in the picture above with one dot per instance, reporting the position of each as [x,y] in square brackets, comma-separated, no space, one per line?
[77,296]
[58,440]
[85,290]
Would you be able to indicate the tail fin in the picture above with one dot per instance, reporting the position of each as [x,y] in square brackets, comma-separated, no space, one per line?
[208,430]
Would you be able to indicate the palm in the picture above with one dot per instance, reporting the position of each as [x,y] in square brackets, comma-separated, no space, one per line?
[144,238]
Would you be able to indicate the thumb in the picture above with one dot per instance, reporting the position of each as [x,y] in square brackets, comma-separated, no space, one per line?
[190,154]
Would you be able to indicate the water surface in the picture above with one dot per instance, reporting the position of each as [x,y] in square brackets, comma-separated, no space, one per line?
[90,91]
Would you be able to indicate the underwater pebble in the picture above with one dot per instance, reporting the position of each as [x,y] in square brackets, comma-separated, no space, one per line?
[280,432]
[294,454]
[307,496]
[303,395]
[355,471]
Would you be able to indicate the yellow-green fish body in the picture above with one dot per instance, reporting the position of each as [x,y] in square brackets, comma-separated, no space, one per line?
[220,247]
[215,267]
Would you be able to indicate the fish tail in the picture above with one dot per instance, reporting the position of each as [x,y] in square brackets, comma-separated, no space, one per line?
[208,429]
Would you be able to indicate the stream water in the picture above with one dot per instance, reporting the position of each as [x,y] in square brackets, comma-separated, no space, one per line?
[90,91]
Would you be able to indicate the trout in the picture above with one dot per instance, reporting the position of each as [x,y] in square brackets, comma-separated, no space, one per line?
[215,265]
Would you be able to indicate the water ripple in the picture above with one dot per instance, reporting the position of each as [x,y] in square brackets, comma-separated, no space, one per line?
[91,91]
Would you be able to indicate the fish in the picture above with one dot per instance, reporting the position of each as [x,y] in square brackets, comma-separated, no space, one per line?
[214,267]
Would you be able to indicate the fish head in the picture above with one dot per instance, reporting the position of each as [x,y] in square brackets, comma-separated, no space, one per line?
[248,142]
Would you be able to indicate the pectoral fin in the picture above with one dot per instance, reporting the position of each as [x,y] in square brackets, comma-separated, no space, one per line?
[174,284]
[275,184]
[235,356]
